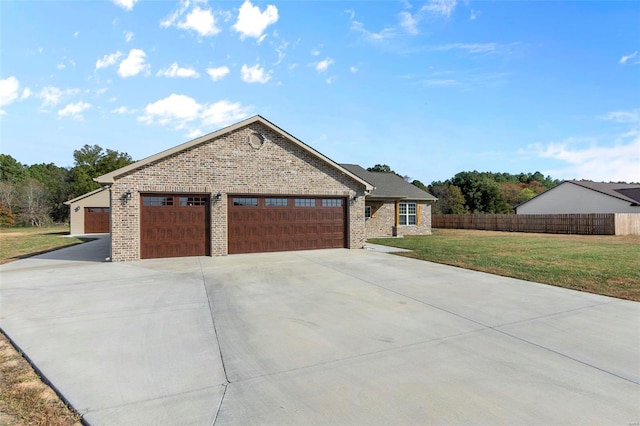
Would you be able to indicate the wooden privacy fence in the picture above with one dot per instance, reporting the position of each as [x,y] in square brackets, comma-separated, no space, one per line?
[584,224]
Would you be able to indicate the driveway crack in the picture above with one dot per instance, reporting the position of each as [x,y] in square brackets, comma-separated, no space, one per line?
[215,331]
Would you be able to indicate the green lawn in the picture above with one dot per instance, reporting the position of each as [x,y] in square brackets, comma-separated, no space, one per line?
[16,243]
[605,265]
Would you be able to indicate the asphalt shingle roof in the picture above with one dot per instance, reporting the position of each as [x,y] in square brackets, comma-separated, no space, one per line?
[624,191]
[389,185]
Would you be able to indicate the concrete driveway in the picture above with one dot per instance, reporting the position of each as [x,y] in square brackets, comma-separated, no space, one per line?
[318,337]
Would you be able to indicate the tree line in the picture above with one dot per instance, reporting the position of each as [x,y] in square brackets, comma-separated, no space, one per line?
[34,195]
[480,192]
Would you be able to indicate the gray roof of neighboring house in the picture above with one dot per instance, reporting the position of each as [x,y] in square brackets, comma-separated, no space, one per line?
[623,191]
[389,185]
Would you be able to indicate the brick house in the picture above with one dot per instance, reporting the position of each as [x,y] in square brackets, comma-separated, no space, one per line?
[249,187]
[394,207]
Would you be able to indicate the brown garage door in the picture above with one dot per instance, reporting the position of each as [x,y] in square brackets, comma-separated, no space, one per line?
[273,223]
[174,225]
[96,220]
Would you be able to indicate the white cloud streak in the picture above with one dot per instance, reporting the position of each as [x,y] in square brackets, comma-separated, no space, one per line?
[440,7]
[218,73]
[108,60]
[409,23]
[626,58]
[74,110]
[252,23]
[175,71]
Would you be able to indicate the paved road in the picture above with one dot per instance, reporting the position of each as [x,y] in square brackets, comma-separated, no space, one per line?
[318,337]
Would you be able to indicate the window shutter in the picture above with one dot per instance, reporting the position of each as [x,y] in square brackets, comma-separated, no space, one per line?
[419,214]
[397,213]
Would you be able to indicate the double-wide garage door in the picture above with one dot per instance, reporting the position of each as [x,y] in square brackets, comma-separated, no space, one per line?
[276,223]
[173,225]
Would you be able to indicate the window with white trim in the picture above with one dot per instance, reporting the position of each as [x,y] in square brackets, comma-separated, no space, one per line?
[408,214]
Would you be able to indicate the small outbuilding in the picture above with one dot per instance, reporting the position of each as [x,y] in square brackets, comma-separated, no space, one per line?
[90,213]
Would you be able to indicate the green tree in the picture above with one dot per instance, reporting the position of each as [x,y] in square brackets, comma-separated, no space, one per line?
[56,182]
[450,199]
[381,168]
[11,170]
[92,161]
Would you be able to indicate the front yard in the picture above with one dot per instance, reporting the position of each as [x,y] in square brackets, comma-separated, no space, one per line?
[606,265]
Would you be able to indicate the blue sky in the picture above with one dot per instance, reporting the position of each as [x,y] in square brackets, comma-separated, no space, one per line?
[430,88]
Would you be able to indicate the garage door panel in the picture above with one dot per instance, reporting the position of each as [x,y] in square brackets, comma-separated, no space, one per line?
[262,227]
[174,228]
[96,220]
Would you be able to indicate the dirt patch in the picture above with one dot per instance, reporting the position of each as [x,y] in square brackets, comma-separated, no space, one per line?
[24,398]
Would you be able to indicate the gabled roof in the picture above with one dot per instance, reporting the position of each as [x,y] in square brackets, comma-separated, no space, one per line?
[88,194]
[110,177]
[389,185]
[622,191]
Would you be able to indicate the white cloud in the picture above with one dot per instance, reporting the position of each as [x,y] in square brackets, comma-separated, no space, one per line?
[133,64]
[108,60]
[315,52]
[194,133]
[128,36]
[353,69]
[26,93]
[323,65]
[632,116]
[600,163]
[124,110]
[369,36]
[8,90]
[440,7]
[624,59]
[76,34]
[200,21]
[474,14]
[180,111]
[74,110]
[254,74]
[175,71]
[125,4]
[218,73]
[223,112]
[479,48]
[51,95]
[252,23]
[61,66]
[409,23]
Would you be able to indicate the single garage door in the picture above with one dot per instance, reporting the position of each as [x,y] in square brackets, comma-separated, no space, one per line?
[174,225]
[96,220]
[276,223]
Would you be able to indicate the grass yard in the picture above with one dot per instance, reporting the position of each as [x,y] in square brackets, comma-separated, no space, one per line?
[606,265]
[17,243]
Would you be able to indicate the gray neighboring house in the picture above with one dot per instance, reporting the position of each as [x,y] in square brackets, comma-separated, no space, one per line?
[90,212]
[583,197]
[394,207]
